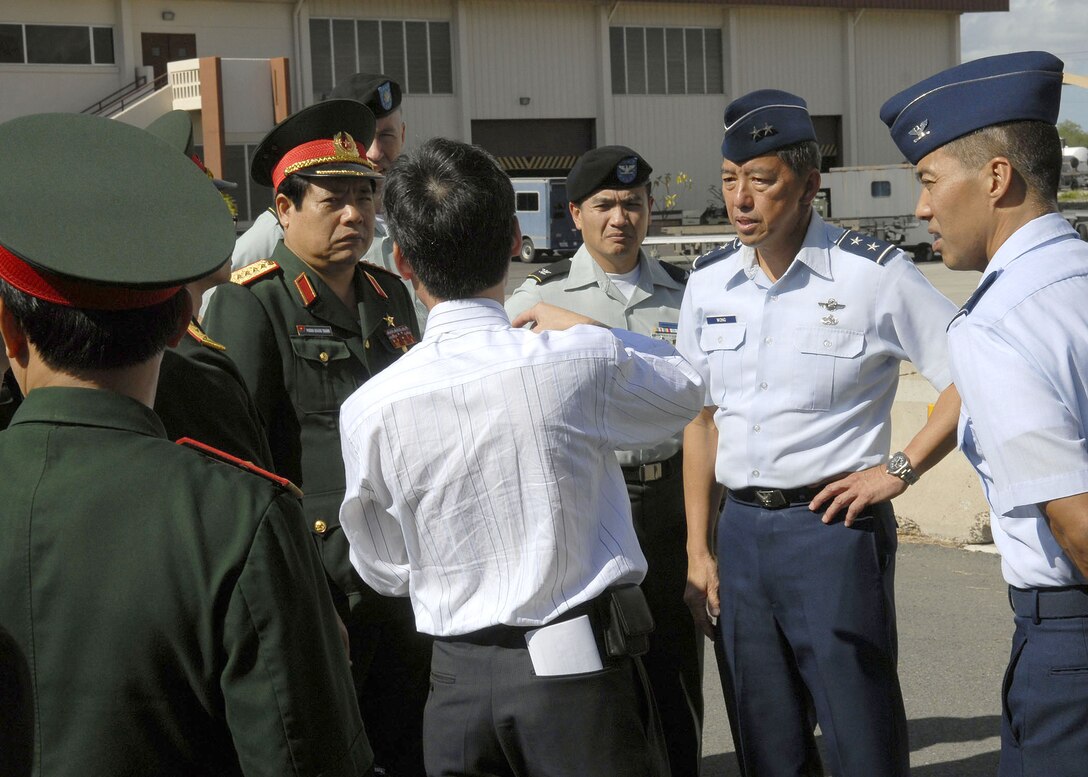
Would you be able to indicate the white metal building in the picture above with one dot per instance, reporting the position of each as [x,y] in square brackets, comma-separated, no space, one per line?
[537,82]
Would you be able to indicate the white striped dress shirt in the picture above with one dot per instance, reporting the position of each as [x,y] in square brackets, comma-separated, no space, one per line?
[481,477]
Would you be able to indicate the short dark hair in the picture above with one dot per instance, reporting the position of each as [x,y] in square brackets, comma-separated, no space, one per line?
[73,340]
[450,209]
[294,188]
[802,157]
[1033,148]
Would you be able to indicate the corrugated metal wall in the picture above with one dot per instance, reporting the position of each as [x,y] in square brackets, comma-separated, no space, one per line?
[547,52]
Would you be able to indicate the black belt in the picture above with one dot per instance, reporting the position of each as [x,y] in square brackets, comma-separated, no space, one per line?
[774,498]
[655,470]
[502,635]
[1040,603]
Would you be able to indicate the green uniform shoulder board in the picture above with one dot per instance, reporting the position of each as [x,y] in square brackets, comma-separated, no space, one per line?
[678,274]
[198,334]
[248,466]
[552,271]
[244,276]
[854,242]
[710,257]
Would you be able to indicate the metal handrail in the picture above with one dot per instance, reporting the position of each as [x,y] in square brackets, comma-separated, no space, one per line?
[115,101]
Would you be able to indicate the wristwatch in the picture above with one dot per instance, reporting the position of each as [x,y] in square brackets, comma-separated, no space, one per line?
[899,465]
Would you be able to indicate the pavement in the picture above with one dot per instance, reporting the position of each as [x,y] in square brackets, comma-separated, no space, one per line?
[955,625]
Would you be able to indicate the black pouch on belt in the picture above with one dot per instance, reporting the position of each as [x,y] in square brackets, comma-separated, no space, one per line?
[629,621]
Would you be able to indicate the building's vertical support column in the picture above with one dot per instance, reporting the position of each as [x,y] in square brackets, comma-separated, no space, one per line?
[303,83]
[125,41]
[211,114]
[281,88]
[606,122]
[850,108]
[463,69]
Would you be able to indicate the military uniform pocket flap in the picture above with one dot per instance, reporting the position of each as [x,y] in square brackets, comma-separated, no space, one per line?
[320,349]
[722,337]
[825,341]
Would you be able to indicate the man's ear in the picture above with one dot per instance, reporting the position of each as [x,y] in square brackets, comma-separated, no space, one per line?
[575,214]
[184,317]
[400,261]
[515,247]
[14,339]
[812,187]
[1000,177]
[284,208]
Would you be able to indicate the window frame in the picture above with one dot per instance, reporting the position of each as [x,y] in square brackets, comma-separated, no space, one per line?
[90,30]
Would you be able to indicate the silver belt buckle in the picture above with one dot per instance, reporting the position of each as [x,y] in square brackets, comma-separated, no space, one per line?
[650,472]
[771,498]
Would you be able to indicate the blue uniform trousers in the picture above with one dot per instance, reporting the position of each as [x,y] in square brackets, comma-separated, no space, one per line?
[1044,721]
[808,629]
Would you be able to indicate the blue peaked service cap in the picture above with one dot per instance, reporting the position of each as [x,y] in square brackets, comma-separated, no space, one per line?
[764,121]
[1025,86]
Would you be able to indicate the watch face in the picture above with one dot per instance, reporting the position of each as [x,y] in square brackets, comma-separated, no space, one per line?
[896,463]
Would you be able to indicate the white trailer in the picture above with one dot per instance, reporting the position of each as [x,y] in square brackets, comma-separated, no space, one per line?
[879,200]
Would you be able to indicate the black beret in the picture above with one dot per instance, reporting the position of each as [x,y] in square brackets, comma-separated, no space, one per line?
[607,167]
[380,93]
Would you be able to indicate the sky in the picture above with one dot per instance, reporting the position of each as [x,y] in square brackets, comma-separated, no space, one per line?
[1057,26]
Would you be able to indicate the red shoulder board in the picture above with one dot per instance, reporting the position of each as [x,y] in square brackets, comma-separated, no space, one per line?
[248,466]
[244,276]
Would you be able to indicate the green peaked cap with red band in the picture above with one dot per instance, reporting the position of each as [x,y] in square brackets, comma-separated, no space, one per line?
[103,215]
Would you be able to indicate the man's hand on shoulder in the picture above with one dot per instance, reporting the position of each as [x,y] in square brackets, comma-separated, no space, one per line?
[855,492]
[544,317]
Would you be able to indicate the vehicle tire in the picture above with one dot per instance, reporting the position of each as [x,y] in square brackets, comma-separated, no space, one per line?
[1082,230]
[528,250]
[923,252]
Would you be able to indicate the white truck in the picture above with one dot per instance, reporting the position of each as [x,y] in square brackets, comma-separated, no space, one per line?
[878,200]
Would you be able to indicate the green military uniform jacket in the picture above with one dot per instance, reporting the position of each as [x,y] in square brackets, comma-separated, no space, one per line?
[171,607]
[202,395]
[302,353]
[579,284]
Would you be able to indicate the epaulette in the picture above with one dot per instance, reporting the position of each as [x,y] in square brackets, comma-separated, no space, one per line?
[379,268]
[976,295]
[248,466]
[201,337]
[551,271]
[244,276]
[678,274]
[860,244]
[710,257]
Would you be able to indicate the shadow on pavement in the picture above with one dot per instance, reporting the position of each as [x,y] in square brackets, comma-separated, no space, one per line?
[924,733]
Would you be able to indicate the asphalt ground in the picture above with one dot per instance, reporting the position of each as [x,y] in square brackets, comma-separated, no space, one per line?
[955,630]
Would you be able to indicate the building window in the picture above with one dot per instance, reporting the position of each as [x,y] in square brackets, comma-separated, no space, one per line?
[252,199]
[527,201]
[56,44]
[416,54]
[880,188]
[666,60]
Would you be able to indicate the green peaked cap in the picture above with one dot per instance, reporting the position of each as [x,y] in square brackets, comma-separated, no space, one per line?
[100,201]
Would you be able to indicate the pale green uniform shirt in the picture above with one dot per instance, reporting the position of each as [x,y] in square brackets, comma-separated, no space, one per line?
[653,310]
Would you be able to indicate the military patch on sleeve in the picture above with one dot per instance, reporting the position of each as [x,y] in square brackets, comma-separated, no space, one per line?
[248,466]
[552,271]
[710,257]
[198,334]
[244,276]
[854,242]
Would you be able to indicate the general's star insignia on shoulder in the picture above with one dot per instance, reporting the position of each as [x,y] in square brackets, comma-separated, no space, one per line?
[710,257]
[860,244]
[194,331]
[244,276]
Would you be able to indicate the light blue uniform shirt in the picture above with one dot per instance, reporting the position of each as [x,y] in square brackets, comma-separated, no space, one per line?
[1019,353]
[803,371]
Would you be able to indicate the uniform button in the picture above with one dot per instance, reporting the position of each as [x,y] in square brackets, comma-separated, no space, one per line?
[320,527]
[323,356]
[755,473]
[757,427]
[719,339]
[774,297]
[827,343]
[763,385]
[768,340]
[366,344]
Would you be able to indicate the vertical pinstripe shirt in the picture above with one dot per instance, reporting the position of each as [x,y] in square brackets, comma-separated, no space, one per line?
[481,475]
